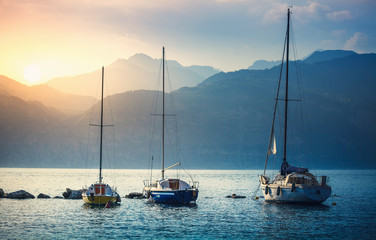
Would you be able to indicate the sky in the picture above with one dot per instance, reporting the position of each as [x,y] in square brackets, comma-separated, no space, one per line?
[43,39]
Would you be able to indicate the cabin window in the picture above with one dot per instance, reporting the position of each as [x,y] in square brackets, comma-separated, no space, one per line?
[174,184]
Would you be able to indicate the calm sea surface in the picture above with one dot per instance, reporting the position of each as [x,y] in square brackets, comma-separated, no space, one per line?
[214,216]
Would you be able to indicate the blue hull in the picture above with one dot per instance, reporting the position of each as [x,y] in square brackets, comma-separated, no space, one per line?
[175,196]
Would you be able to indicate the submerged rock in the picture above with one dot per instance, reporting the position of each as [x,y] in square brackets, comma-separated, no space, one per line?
[73,194]
[135,195]
[42,195]
[1,192]
[58,197]
[21,194]
[235,196]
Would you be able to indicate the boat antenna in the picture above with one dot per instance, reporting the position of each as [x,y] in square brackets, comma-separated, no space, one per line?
[163,108]
[151,169]
[285,164]
[100,149]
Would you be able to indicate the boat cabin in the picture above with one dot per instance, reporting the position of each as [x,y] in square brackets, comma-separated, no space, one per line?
[174,184]
[99,189]
[301,178]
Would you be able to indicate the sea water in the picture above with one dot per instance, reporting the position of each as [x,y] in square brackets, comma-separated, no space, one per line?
[213,217]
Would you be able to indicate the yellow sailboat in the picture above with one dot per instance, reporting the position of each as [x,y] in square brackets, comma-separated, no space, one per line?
[100,193]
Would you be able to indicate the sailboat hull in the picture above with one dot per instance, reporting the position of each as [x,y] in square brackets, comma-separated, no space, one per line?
[300,195]
[174,196]
[98,200]
[100,194]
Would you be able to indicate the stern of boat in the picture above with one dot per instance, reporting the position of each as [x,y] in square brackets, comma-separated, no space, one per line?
[173,191]
[100,194]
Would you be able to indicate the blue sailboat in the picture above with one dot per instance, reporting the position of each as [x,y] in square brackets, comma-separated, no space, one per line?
[169,190]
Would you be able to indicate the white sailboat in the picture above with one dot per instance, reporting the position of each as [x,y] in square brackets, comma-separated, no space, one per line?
[169,190]
[100,193]
[291,184]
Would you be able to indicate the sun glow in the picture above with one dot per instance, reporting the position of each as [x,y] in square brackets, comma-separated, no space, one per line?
[32,74]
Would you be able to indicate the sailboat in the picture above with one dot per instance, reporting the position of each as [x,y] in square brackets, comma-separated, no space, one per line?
[291,184]
[100,193]
[169,190]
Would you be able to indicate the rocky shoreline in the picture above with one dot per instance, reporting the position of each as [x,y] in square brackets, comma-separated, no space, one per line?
[22,194]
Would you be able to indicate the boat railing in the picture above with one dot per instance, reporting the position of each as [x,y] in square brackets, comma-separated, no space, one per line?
[194,184]
[147,183]
[322,180]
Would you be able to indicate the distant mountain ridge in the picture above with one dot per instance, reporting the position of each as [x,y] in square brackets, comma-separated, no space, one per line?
[326,55]
[224,122]
[264,64]
[317,56]
[138,72]
[50,97]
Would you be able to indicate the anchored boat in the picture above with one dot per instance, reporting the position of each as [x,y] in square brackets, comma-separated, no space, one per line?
[100,193]
[291,184]
[169,190]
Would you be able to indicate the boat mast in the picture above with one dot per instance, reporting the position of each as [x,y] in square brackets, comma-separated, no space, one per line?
[100,149]
[163,108]
[284,164]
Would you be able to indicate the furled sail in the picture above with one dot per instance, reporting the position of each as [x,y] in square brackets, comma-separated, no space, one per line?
[273,146]
[287,169]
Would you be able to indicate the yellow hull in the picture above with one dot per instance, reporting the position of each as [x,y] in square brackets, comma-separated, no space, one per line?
[98,200]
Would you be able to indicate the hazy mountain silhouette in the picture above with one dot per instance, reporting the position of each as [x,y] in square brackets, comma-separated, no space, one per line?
[263,64]
[326,55]
[138,72]
[50,97]
[224,122]
[317,56]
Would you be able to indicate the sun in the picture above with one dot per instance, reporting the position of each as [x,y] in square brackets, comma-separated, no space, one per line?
[32,73]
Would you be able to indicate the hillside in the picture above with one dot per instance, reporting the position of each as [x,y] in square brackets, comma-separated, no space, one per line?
[48,96]
[223,122]
[33,135]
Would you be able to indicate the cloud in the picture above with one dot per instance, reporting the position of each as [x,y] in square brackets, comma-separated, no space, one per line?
[313,10]
[276,14]
[339,16]
[339,33]
[357,42]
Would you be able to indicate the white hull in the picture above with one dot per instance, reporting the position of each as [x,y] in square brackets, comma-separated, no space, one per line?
[301,194]
[295,188]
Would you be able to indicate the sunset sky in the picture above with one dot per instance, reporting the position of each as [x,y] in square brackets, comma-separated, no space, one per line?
[51,38]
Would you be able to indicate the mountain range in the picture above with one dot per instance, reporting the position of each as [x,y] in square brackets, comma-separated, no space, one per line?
[223,122]
[48,96]
[317,56]
[138,72]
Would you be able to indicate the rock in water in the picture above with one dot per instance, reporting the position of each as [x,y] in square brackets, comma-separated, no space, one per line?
[76,194]
[67,193]
[135,195]
[73,194]
[234,196]
[21,194]
[1,192]
[42,195]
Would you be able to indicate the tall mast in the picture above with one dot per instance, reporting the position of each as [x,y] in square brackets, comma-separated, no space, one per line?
[287,82]
[163,108]
[100,149]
